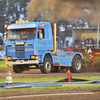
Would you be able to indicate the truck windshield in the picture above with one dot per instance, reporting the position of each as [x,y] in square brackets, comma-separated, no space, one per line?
[21,34]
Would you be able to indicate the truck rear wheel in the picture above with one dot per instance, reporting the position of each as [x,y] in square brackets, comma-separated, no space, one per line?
[46,68]
[18,69]
[76,64]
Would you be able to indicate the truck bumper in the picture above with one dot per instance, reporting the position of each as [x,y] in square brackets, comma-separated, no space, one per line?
[20,62]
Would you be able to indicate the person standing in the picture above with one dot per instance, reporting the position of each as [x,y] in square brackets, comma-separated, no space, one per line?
[83,42]
[91,42]
[89,51]
[91,55]
[77,43]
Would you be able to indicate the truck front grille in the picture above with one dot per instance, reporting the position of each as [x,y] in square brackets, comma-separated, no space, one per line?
[20,51]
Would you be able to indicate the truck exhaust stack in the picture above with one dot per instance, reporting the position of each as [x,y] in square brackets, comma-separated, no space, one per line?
[54,48]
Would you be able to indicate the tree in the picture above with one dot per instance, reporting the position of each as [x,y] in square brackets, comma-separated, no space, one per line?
[16,8]
[12,10]
[2,14]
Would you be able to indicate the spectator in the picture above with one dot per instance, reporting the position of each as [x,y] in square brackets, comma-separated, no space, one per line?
[83,41]
[87,41]
[69,49]
[91,40]
[89,51]
[77,41]
[99,41]
[95,43]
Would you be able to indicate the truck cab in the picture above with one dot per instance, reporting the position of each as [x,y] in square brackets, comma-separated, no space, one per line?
[31,43]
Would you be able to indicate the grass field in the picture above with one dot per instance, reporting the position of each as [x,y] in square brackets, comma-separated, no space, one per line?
[2,64]
[46,79]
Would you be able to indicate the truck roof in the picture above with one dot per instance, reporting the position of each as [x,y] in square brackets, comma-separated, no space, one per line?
[24,25]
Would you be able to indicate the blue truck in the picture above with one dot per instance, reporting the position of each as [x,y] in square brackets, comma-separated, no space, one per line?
[33,43]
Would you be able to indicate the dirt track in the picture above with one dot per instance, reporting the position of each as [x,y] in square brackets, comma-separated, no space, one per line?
[35,73]
[26,93]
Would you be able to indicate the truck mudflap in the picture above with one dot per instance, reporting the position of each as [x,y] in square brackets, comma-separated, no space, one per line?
[19,62]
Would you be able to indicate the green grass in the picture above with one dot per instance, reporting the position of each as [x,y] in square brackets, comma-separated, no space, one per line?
[32,79]
[46,79]
[2,64]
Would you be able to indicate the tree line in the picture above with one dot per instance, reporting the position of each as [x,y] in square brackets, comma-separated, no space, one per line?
[12,10]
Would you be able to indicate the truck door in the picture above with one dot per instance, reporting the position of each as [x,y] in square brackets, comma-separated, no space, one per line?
[45,43]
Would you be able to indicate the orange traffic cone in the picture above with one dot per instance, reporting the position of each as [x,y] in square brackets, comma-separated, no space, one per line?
[8,78]
[69,75]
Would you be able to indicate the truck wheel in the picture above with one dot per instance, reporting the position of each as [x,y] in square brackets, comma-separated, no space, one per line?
[76,64]
[46,68]
[18,69]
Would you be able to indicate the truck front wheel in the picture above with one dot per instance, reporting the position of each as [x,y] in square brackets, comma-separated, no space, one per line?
[46,68]
[18,68]
[76,64]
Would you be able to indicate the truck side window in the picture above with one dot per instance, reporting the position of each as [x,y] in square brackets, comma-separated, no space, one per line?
[42,31]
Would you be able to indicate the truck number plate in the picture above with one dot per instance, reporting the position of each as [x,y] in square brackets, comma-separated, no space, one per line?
[19,61]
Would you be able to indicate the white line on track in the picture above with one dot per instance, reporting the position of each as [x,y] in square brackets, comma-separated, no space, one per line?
[39,95]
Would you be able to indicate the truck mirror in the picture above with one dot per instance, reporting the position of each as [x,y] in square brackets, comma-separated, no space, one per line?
[40,36]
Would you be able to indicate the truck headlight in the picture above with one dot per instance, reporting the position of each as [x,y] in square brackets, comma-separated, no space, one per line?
[7,58]
[34,57]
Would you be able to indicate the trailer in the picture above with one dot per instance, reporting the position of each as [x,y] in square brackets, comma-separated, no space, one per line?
[31,44]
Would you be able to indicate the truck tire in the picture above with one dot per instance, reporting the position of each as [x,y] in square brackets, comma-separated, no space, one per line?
[18,69]
[77,64]
[46,68]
